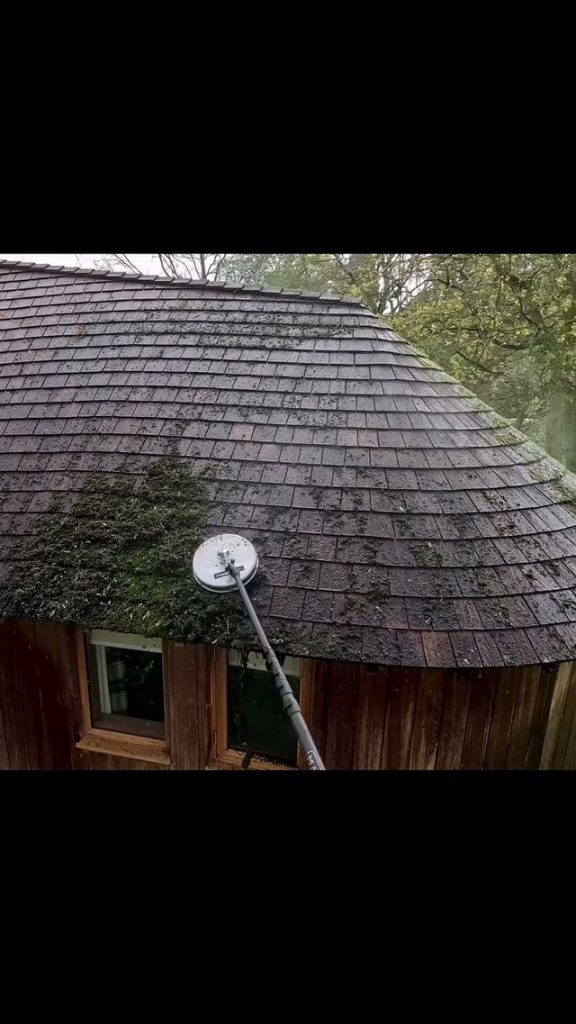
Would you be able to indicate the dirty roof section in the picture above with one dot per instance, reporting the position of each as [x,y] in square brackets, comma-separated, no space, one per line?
[397,519]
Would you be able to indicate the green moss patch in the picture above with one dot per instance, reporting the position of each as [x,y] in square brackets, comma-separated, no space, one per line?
[120,558]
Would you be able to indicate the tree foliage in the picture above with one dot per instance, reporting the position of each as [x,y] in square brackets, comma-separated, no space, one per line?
[505,325]
[385,282]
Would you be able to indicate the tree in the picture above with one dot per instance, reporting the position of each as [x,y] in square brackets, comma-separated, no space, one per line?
[505,325]
[385,282]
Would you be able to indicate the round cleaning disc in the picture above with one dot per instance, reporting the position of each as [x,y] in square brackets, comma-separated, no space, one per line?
[209,561]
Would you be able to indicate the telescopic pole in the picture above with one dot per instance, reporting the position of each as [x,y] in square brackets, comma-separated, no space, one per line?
[291,706]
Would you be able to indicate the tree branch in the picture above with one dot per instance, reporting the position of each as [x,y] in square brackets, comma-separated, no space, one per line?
[476,363]
[167,264]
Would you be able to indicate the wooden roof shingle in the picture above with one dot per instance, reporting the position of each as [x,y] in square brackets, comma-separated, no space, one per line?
[397,518]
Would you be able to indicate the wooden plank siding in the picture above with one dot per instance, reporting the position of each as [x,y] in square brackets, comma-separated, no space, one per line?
[559,749]
[370,717]
[362,717]
[399,720]
[38,695]
[431,719]
[90,760]
[343,682]
[4,759]
[455,714]
[188,670]
[317,702]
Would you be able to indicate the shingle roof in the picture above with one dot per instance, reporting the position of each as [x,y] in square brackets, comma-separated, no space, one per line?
[398,520]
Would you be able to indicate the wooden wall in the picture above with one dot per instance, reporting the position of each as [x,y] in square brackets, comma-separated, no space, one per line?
[187,671]
[559,752]
[40,713]
[375,718]
[90,760]
[361,717]
[41,708]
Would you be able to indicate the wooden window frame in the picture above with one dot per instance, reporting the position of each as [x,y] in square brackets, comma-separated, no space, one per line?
[106,741]
[225,757]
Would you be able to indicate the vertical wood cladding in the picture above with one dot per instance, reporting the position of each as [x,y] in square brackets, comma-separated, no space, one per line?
[377,718]
[362,717]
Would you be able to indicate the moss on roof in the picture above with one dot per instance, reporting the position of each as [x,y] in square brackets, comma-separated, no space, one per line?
[120,558]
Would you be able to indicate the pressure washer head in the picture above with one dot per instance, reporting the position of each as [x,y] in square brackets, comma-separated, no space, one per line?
[212,557]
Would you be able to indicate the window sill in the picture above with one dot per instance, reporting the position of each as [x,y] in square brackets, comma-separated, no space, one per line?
[139,748]
[232,760]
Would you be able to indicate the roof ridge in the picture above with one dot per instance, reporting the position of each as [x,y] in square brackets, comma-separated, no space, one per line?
[186,282]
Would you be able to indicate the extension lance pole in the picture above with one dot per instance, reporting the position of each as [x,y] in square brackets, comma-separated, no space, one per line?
[291,706]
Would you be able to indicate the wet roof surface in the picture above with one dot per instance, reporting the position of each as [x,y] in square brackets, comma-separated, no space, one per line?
[397,519]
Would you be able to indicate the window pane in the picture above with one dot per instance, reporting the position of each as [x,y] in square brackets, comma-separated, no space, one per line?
[256,719]
[127,689]
[135,683]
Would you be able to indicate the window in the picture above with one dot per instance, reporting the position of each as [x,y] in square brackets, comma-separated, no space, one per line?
[126,684]
[257,723]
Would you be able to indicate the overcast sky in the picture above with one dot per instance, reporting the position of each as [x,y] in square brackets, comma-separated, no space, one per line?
[147,263]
